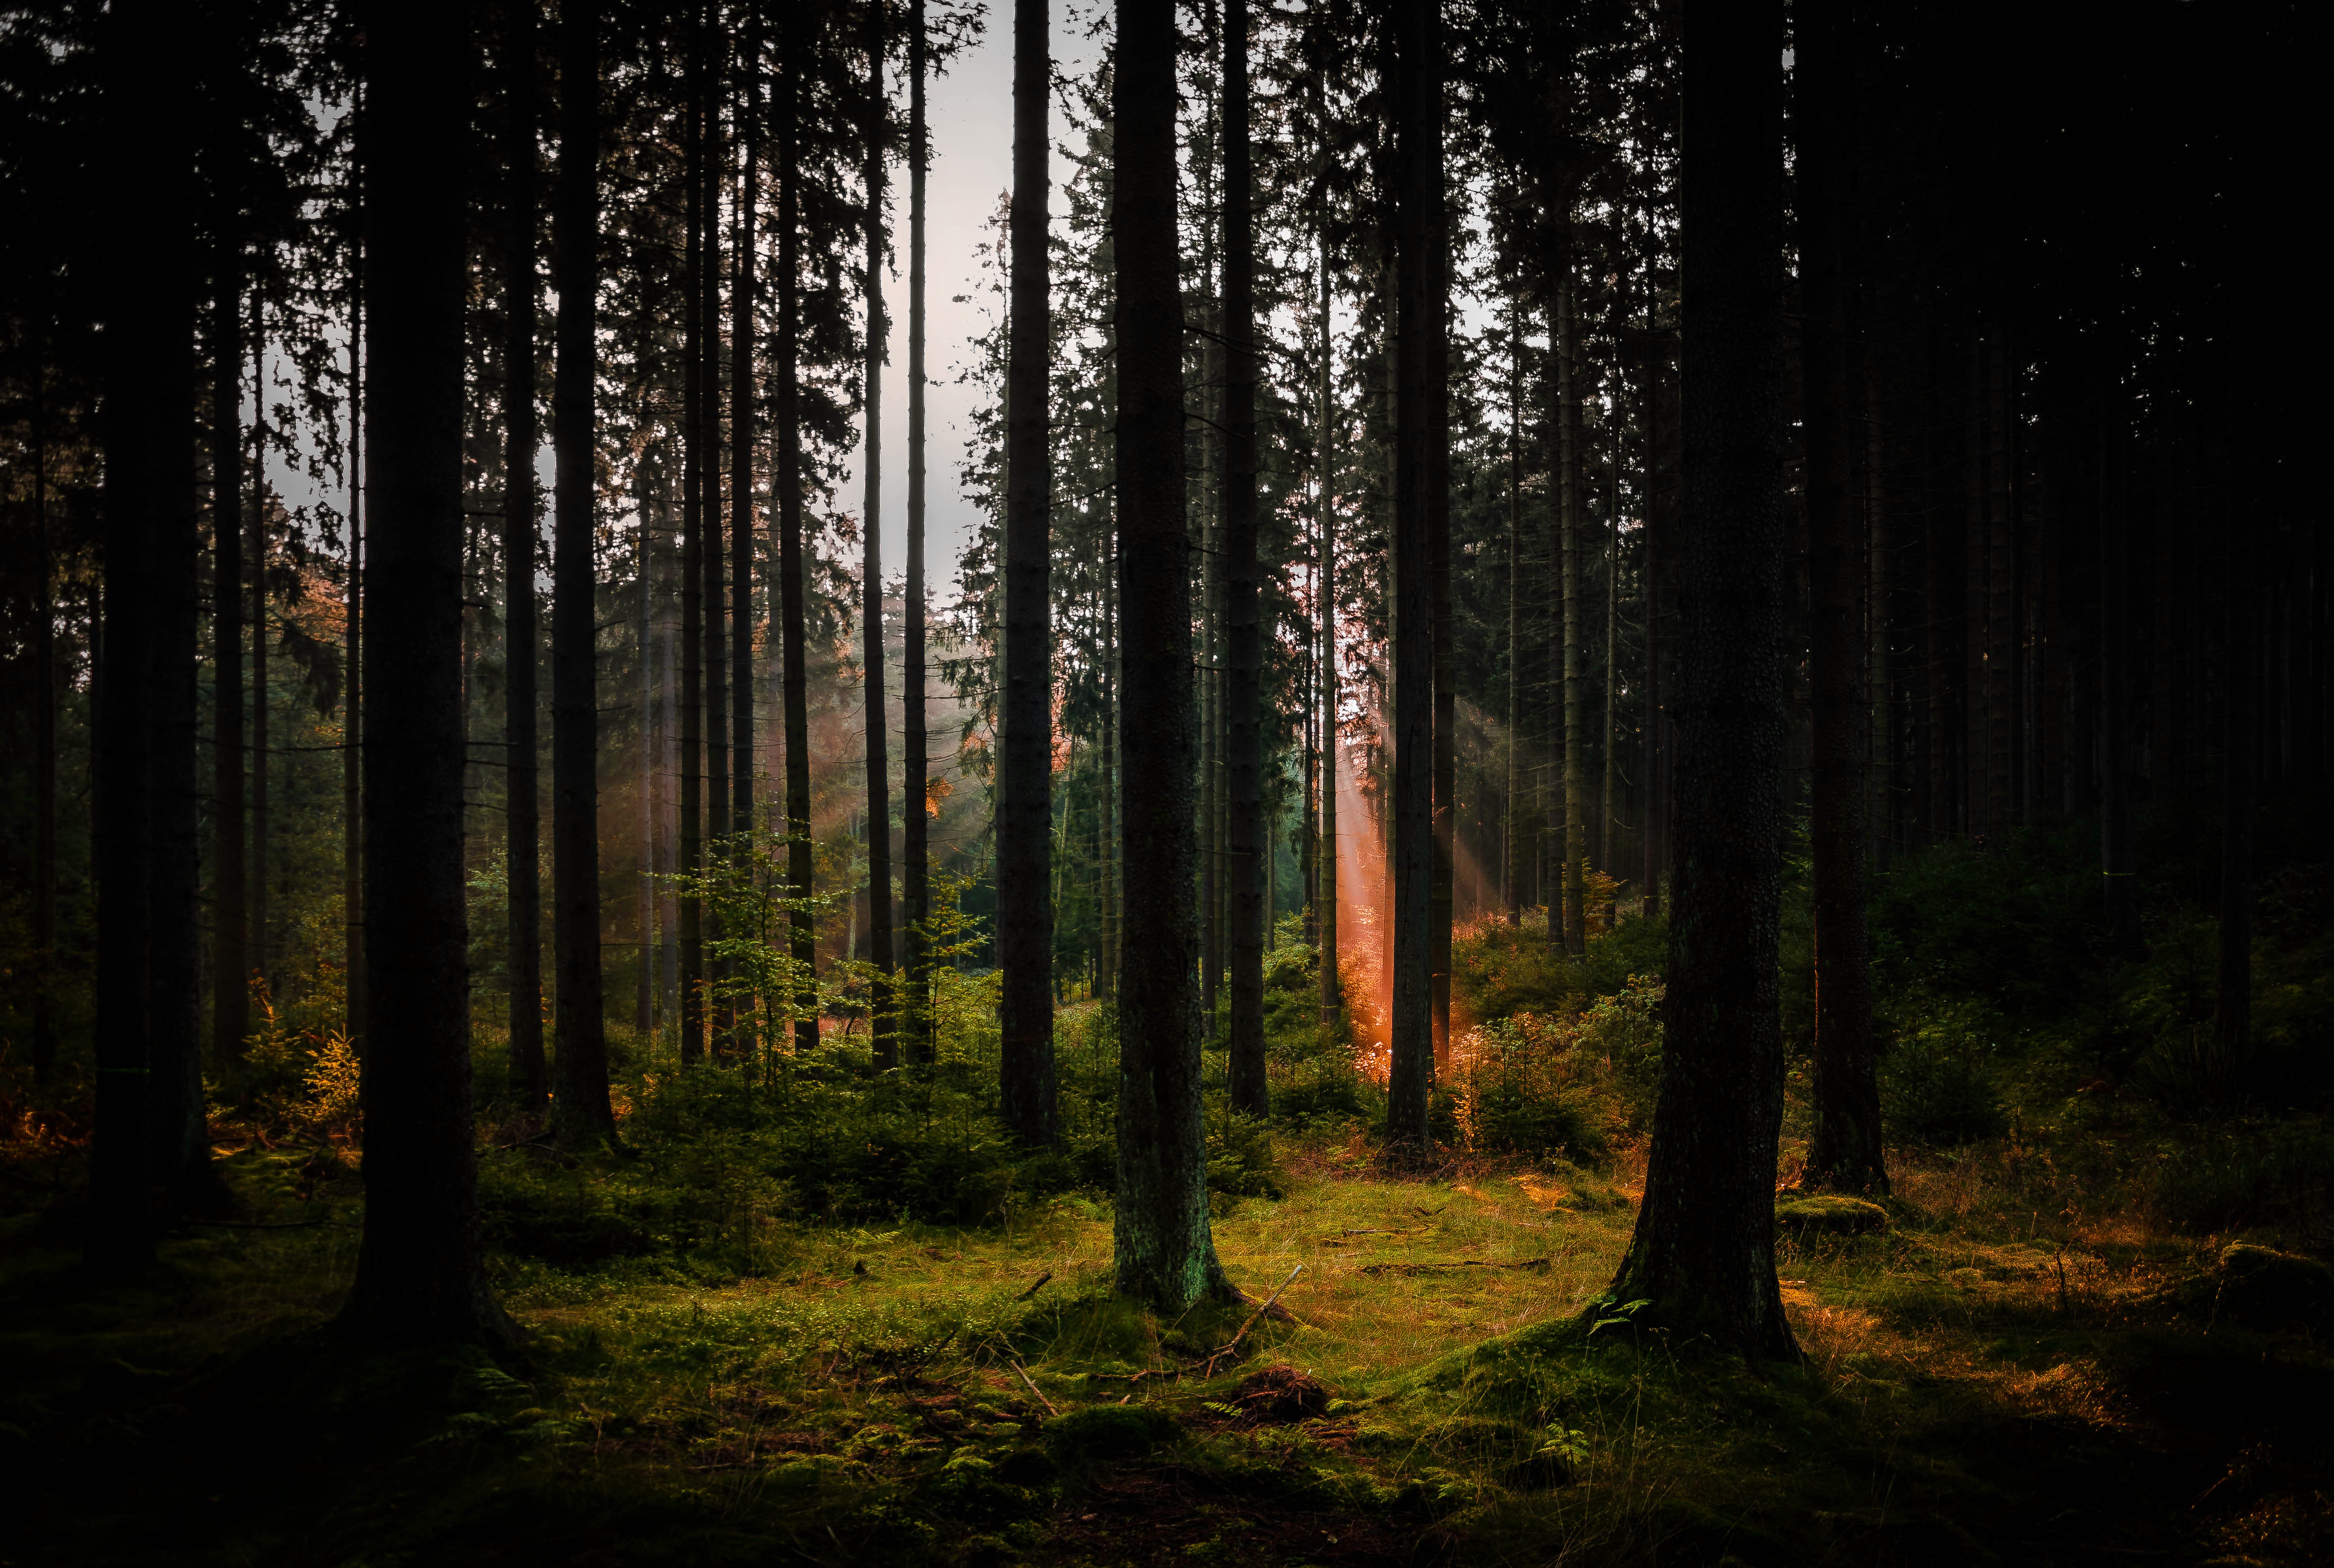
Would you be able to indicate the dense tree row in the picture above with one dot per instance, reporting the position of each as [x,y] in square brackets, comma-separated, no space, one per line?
[1463,415]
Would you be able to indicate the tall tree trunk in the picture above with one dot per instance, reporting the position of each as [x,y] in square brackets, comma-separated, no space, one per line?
[581,1113]
[1609,790]
[720,1021]
[2240,782]
[1846,1151]
[1024,916]
[2121,882]
[1511,862]
[795,689]
[353,681]
[644,998]
[1163,1249]
[529,1082]
[1657,764]
[881,1009]
[230,962]
[743,449]
[420,1267]
[915,766]
[151,326]
[690,826]
[257,884]
[1567,439]
[1420,516]
[1244,644]
[44,741]
[1702,1255]
[1333,1000]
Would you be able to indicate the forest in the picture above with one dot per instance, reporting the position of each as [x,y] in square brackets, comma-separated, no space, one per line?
[1490,781]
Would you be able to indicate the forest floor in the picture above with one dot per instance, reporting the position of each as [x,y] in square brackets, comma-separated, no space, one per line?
[1981,1383]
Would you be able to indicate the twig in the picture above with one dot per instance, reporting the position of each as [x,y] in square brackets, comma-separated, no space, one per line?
[1034,1289]
[1530,1263]
[263,1224]
[1251,1322]
[1032,1387]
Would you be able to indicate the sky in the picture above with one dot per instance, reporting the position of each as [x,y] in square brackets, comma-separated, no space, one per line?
[970,111]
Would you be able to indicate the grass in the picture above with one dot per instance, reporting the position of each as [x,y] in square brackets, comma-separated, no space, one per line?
[1977,1380]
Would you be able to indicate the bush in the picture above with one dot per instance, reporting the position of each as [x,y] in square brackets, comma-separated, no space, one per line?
[1937,1086]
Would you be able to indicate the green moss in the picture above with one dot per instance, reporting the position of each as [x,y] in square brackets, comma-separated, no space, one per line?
[1830,1214]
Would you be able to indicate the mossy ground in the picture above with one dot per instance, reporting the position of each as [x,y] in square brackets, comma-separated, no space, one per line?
[1980,1382]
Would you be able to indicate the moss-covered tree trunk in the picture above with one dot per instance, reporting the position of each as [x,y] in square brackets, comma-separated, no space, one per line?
[1702,1255]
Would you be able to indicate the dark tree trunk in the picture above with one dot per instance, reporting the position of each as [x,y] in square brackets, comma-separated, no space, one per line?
[1025,916]
[2120,882]
[690,827]
[744,449]
[2240,782]
[581,1113]
[1333,1000]
[45,743]
[1655,843]
[915,896]
[149,354]
[1846,1151]
[1702,1255]
[230,961]
[714,561]
[1164,1251]
[881,1009]
[352,681]
[1511,861]
[1244,646]
[1421,514]
[420,1269]
[257,886]
[795,689]
[1574,846]
[529,1085]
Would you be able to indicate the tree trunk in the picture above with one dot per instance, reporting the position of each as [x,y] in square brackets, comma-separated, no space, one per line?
[882,1010]
[1333,1001]
[529,1082]
[1702,1255]
[1511,861]
[1163,1249]
[420,1269]
[257,886]
[721,1020]
[690,826]
[581,1113]
[1421,515]
[1655,838]
[45,745]
[744,449]
[2240,784]
[230,961]
[2121,883]
[915,766]
[1244,646]
[1846,1151]
[353,682]
[1025,916]
[1568,437]
[795,689]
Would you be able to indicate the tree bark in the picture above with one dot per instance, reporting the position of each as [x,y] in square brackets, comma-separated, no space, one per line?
[2240,780]
[744,446]
[2120,882]
[1702,1253]
[1420,516]
[882,1007]
[1568,437]
[581,1113]
[1845,1152]
[1333,1000]
[529,1081]
[353,682]
[690,827]
[420,1269]
[1163,1249]
[915,766]
[802,937]
[230,961]
[1244,645]
[1511,861]
[1025,916]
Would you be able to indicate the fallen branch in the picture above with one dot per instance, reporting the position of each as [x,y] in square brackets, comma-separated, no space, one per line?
[1251,1322]
[264,1224]
[1034,1289]
[1535,1264]
[1032,1387]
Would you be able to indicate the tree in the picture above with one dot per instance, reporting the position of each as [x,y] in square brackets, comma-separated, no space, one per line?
[1421,515]
[1702,1256]
[1244,642]
[915,765]
[871,576]
[1025,923]
[420,1269]
[1163,1247]
[581,1113]
[230,963]
[690,824]
[529,1082]
[1846,1151]
[795,690]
